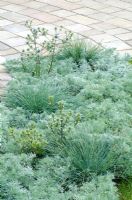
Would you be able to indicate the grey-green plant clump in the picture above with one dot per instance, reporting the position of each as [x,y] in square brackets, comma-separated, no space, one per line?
[66,122]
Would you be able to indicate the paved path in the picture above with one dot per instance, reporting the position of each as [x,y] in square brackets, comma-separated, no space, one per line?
[108,22]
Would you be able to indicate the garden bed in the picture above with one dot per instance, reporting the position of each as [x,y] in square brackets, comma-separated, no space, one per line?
[66,122]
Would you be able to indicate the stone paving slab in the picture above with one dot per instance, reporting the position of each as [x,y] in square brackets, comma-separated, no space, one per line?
[108,22]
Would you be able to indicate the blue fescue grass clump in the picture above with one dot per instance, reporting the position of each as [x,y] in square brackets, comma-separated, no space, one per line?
[35,98]
[66,134]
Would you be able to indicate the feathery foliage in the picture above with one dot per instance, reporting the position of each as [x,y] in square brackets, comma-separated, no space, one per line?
[80,150]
